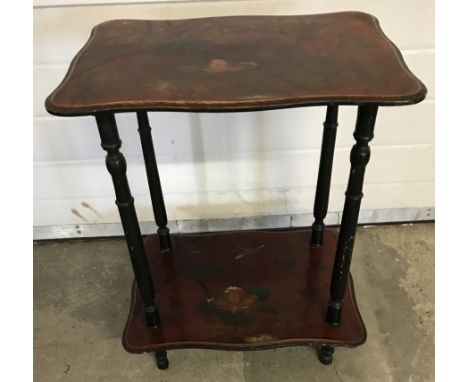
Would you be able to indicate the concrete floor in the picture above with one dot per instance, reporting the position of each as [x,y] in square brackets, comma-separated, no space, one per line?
[81,298]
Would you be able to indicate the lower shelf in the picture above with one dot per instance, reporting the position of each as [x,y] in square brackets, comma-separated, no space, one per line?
[242,290]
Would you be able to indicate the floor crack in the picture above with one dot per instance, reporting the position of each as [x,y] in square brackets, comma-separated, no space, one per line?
[67,369]
[337,374]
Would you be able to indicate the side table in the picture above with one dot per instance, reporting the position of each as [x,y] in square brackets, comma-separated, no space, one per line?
[240,290]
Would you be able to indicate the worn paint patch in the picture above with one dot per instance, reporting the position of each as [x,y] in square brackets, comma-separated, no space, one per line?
[218,65]
[260,338]
[247,251]
[257,97]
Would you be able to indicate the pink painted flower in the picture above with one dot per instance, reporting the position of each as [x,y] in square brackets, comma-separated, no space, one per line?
[235,299]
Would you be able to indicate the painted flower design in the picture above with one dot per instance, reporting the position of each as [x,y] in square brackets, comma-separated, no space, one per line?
[239,307]
[235,299]
[218,65]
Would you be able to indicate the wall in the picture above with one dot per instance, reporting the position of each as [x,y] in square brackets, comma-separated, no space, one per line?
[227,165]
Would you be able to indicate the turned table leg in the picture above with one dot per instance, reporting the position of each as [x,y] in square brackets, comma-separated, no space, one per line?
[325,354]
[117,167]
[322,191]
[154,183]
[360,155]
[161,359]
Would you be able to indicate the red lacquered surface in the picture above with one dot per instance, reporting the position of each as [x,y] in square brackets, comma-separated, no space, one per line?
[235,63]
[242,290]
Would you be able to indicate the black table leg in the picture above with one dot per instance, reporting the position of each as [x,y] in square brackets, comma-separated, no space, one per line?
[325,354]
[154,183]
[360,155]
[117,166]
[161,359]
[322,191]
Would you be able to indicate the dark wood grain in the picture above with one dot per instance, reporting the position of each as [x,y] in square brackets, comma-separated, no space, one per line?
[235,63]
[242,290]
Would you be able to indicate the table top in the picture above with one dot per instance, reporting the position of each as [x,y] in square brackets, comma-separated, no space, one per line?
[235,63]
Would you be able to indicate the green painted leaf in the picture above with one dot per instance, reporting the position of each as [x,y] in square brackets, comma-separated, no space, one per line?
[239,318]
[262,294]
[268,309]
[206,270]
[291,263]
[208,307]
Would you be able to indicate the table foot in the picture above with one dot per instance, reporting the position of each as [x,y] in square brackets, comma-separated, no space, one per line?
[325,354]
[161,359]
